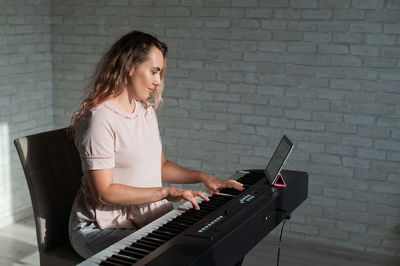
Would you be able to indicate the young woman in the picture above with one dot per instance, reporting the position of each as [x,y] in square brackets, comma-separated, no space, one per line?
[117,136]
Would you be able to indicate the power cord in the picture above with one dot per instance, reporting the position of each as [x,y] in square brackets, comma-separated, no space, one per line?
[279,244]
[280,237]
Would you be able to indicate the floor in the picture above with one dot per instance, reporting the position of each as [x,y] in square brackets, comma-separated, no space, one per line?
[18,247]
[18,244]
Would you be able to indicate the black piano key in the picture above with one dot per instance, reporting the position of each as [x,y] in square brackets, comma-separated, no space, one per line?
[222,197]
[211,203]
[205,207]
[201,204]
[230,191]
[183,223]
[162,235]
[171,231]
[189,217]
[181,218]
[124,258]
[179,223]
[205,203]
[130,253]
[205,212]
[171,228]
[165,231]
[118,262]
[216,200]
[165,234]
[108,263]
[198,212]
[195,213]
[174,225]
[145,242]
[153,241]
[140,251]
[185,220]
[142,246]
[208,209]
[157,236]
[194,216]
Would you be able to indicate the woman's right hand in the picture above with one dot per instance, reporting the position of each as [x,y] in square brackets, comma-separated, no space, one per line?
[179,194]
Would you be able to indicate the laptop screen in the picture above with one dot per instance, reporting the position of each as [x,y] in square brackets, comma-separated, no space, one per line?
[278,159]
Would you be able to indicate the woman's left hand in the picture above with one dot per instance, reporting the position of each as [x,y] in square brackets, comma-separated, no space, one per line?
[214,184]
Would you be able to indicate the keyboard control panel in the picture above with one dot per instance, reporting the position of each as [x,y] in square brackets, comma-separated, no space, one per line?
[246,198]
[210,224]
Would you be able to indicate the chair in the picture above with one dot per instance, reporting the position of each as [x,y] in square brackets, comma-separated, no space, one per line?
[53,173]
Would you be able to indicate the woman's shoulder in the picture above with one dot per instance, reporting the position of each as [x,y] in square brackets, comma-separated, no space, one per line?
[98,116]
[101,112]
[97,121]
[106,113]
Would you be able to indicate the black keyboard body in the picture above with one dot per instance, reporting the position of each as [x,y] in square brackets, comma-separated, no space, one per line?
[225,229]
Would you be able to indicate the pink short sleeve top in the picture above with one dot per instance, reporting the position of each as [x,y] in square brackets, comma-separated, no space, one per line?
[129,143]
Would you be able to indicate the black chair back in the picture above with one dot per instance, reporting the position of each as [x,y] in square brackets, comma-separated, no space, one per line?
[53,173]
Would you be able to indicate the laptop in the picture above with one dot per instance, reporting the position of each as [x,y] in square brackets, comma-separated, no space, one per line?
[273,169]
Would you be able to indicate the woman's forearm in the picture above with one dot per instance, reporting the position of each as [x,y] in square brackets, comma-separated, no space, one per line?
[176,174]
[101,185]
[105,191]
[122,195]
[126,195]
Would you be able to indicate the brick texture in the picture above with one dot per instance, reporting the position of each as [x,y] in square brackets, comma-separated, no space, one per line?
[239,75]
[26,96]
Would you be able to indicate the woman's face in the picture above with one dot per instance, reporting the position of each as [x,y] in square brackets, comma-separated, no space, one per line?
[146,76]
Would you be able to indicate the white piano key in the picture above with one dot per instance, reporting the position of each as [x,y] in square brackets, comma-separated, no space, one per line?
[116,247]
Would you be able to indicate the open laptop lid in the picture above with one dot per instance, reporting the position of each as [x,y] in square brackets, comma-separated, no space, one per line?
[279,157]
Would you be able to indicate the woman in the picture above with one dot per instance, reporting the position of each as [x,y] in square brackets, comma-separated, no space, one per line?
[117,136]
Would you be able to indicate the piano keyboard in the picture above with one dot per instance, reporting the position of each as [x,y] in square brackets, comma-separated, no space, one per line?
[175,221]
[129,240]
[178,231]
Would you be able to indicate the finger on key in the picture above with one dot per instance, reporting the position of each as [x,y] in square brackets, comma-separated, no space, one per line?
[201,195]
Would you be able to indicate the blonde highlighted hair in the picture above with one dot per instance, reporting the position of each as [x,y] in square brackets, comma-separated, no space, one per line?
[112,72]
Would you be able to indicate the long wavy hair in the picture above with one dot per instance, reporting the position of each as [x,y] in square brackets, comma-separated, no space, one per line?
[112,72]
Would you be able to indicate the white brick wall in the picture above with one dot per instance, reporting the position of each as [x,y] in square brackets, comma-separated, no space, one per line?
[240,74]
[25,94]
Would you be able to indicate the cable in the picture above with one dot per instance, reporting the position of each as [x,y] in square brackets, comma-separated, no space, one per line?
[279,244]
